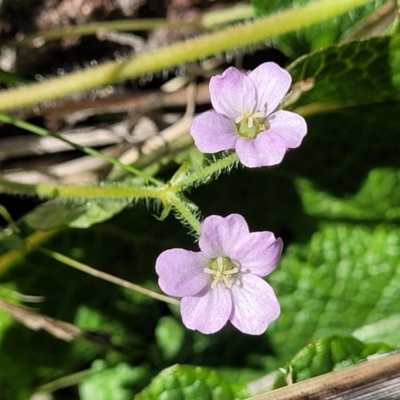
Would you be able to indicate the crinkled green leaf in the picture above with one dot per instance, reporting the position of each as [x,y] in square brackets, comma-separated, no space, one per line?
[329,354]
[185,382]
[57,213]
[377,200]
[110,383]
[319,35]
[346,278]
[385,330]
[347,74]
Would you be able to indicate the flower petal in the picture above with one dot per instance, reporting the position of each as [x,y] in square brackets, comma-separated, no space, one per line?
[255,305]
[207,313]
[259,152]
[218,235]
[258,252]
[272,83]
[181,272]
[231,90]
[287,128]
[213,132]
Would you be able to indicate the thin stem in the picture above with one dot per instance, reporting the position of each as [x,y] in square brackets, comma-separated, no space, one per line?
[20,296]
[206,172]
[66,381]
[106,277]
[191,219]
[98,27]
[178,53]
[88,150]
[227,15]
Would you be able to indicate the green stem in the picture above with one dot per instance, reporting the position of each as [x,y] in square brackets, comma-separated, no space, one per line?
[66,381]
[167,195]
[84,192]
[178,53]
[226,15]
[106,277]
[180,206]
[214,168]
[86,149]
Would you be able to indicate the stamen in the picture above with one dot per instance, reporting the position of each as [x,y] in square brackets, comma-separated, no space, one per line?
[250,118]
[221,273]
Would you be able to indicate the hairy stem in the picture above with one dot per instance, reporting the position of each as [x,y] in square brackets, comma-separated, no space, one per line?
[181,208]
[178,53]
[83,192]
[214,168]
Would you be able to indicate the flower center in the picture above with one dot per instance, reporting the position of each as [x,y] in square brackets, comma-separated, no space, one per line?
[249,123]
[222,270]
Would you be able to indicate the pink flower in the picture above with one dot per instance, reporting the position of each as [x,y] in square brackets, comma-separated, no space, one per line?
[224,280]
[245,117]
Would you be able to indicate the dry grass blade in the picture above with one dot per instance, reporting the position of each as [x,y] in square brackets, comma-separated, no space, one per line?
[32,320]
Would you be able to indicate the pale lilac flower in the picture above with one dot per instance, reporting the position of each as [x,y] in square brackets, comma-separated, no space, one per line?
[224,280]
[245,116]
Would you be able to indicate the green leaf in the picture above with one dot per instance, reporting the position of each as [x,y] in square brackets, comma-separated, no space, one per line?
[329,354]
[316,36]
[110,383]
[377,200]
[385,330]
[169,335]
[395,56]
[10,79]
[188,382]
[56,213]
[10,241]
[348,74]
[346,278]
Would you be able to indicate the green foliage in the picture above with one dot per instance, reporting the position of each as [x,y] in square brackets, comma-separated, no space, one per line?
[385,330]
[335,201]
[377,200]
[191,383]
[118,323]
[329,354]
[314,37]
[56,213]
[169,335]
[395,57]
[351,73]
[110,383]
[344,279]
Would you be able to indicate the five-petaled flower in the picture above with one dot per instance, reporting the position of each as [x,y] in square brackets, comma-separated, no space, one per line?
[245,117]
[224,280]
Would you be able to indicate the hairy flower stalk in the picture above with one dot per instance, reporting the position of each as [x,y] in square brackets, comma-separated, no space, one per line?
[245,117]
[224,280]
